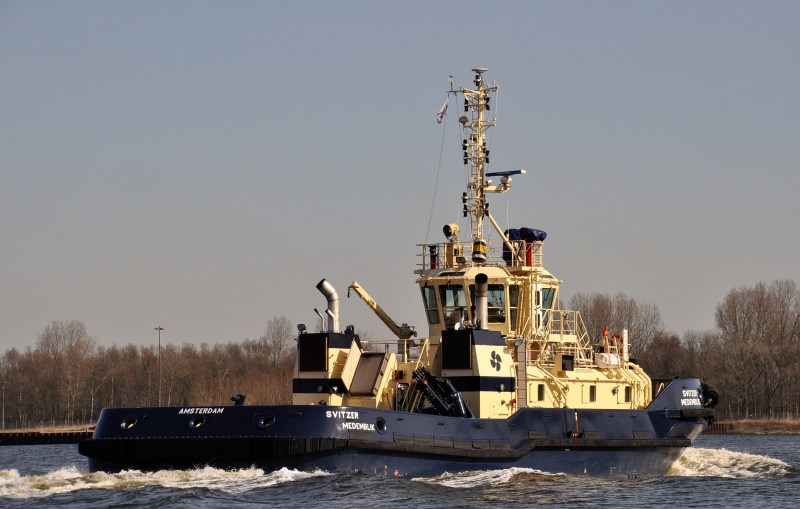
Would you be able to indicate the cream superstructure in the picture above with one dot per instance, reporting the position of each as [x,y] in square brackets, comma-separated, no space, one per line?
[496,329]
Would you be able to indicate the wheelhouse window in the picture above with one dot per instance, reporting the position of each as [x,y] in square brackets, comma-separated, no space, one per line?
[453,303]
[431,307]
[513,304]
[496,299]
[545,299]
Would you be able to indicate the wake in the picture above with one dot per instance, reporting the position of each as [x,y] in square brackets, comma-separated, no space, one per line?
[698,462]
[68,479]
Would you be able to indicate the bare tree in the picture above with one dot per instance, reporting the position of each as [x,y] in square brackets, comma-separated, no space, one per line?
[666,356]
[277,339]
[643,320]
[68,348]
[760,337]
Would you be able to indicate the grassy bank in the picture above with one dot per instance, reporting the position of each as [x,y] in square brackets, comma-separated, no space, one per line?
[764,426]
[51,429]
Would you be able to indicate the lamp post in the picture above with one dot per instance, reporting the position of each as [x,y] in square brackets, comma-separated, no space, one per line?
[4,404]
[159,329]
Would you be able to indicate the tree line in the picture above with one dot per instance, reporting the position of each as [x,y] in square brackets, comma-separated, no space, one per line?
[751,358]
[66,379]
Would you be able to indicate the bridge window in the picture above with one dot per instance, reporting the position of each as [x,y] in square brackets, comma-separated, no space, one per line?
[453,303]
[592,393]
[431,307]
[544,298]
[513,303]
[547,297]
[496,298]
[540,392]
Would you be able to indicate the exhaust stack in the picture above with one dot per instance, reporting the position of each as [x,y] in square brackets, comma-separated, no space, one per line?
[333,304]
[482,301]
[626,355]
[321,320]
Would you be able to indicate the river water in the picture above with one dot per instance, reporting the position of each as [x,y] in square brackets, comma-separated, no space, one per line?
[728,471]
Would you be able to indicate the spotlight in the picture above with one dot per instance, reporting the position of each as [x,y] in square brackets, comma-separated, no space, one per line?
[450,230]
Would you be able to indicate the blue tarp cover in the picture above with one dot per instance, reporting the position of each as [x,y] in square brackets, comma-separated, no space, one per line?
[526,234]
[532,234]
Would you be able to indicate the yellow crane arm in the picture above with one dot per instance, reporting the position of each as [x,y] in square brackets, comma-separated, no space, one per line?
[402,331]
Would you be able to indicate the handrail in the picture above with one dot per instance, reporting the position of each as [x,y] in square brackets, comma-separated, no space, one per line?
[552,340]
[523,254]
[372,345]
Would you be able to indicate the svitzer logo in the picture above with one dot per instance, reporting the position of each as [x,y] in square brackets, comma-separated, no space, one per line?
[495,360]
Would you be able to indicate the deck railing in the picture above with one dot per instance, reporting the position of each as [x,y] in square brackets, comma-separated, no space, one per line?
[456,254]
[563,332]
[407,350]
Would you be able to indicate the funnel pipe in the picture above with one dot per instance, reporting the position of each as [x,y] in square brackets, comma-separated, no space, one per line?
[333,304]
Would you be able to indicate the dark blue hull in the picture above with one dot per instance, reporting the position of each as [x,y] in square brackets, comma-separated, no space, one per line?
[632,463]
[630,443]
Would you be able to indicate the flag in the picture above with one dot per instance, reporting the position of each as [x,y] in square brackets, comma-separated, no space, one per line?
[442,112]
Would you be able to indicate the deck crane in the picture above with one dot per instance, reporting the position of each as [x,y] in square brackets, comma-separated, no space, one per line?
[403,331]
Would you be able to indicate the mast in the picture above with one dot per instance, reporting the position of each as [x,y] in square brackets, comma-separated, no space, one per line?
[477,102]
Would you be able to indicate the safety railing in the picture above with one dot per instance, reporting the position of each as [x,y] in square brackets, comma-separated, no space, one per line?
[407,350]
[563,333]
[455,254]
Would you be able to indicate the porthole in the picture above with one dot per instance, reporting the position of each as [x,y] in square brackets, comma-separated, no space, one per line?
[196,422]
[265,421]
[127,423]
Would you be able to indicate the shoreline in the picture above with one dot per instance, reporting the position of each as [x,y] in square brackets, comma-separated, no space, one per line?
[51,429]
[758,427]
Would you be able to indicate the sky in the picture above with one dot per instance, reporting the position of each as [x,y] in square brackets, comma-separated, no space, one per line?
[200,166]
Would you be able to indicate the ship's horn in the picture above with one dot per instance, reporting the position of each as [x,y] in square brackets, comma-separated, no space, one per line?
[333,304]
[482,300]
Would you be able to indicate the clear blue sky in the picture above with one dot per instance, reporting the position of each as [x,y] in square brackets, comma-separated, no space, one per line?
[202,165]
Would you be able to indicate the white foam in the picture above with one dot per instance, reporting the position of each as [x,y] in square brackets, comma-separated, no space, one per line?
[70,479]
[479,477]
[696,461]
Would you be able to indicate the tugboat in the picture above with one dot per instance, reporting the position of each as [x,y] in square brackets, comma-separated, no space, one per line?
[506,377]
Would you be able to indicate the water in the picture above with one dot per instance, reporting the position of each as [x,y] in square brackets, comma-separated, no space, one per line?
[730,471]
